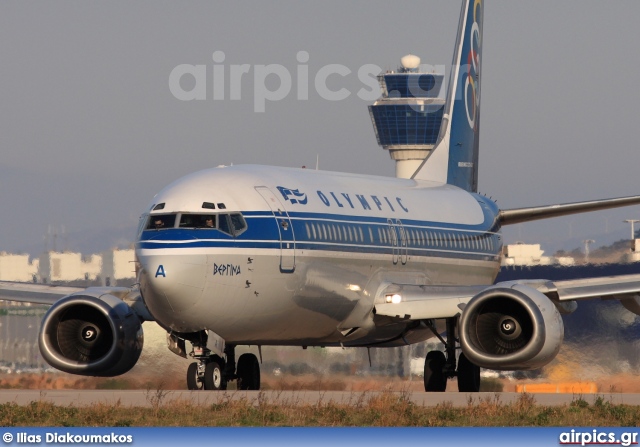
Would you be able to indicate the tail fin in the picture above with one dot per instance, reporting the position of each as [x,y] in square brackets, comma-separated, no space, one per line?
[454,159]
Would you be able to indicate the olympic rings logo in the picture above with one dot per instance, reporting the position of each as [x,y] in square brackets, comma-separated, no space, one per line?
[471,88]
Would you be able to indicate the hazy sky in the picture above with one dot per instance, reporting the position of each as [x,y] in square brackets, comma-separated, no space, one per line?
[90,130]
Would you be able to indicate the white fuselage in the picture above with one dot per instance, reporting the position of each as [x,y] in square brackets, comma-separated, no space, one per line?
[299,257]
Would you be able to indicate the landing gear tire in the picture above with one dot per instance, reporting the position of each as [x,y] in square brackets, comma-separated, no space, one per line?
[213,376]
[468,376]
[222,364]
[434,378]
[193,381]
[248,372]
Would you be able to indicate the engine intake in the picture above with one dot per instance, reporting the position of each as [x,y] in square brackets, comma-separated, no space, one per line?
[91,335]
[511,328]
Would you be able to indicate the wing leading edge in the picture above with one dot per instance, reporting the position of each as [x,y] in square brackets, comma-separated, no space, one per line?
[433,302]
[34,293]
[51,294]
[519,215]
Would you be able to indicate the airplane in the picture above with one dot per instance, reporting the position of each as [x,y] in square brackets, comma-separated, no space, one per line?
[273,256]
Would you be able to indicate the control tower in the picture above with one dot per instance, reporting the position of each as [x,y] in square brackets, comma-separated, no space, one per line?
[408,116]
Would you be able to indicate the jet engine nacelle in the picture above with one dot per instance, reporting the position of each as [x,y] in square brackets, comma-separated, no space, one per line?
[510,328]
[91,335]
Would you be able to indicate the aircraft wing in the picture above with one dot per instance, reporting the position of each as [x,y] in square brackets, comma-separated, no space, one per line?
[515,216]
[50,294]
[34,293]
[431,302]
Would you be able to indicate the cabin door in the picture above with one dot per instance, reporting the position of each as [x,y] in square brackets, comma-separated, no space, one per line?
[398,241]
[403,243]
[285,230]
[393,235]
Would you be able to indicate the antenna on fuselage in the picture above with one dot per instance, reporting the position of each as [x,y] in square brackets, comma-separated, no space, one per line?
[317,161]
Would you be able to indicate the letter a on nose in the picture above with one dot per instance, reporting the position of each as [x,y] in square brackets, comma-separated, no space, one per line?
[160,271]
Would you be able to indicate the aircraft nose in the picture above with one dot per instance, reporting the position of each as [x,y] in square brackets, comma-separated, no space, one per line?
[172,287]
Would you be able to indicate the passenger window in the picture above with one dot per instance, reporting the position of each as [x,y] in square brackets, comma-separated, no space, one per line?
[161,221]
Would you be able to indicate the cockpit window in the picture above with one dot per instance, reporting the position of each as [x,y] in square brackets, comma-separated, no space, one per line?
[198,221]
[142,223]
[238,223]
[161,221]
[223,224]
[232,224]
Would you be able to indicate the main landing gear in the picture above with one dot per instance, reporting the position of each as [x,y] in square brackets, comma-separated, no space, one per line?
[212,372]
[439,367]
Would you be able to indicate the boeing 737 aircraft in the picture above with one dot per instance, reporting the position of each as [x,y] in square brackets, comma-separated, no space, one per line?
[258,255]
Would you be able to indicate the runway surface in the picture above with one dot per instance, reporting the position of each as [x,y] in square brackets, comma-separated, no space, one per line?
[151,398]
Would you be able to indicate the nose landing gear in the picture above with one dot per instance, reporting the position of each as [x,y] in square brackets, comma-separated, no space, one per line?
[212,372]
[207,373]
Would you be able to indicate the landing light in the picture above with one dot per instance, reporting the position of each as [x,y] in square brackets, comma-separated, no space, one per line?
[354,288]
[394,298]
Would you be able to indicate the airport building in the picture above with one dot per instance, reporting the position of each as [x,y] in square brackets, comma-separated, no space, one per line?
[408,116]
[69,267]
[118,265]
[634,255]
[531,254]
[17,267]
[66,266]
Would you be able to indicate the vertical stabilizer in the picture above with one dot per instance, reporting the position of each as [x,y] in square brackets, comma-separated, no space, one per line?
[454,159]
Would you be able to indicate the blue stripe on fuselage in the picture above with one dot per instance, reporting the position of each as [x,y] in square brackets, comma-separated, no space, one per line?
[343,233]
